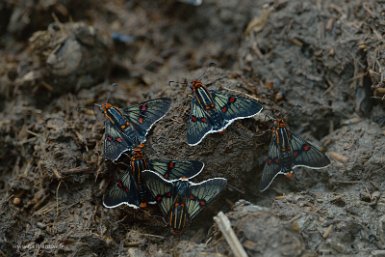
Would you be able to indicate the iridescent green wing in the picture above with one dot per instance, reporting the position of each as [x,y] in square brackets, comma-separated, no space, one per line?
[143,116]
[272,166]
[202,194]
[122,190]
[198,125]
[233,107]
[161,190]
[173,170]
[307,155]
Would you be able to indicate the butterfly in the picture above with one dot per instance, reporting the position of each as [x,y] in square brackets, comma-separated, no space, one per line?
[212,111]
[288,151]
[181,200]
[129,187]
[127,128]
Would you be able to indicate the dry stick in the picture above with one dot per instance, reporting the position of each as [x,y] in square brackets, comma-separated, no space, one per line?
[77,170]
[224,225]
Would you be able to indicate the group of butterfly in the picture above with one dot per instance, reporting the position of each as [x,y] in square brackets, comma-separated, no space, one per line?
[167,182]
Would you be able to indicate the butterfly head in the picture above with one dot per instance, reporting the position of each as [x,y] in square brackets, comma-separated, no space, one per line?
[104,107]
[195,84]
[137,152]
[290,174]
[279,123]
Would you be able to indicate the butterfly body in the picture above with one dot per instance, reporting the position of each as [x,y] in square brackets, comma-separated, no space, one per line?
[288,151]
[282,138]
[213,112]
[138,164]
[128,127]
[180,201]
[178,214]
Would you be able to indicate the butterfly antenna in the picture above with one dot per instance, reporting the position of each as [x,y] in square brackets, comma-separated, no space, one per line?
[170,83]
[114,85]
[208,66]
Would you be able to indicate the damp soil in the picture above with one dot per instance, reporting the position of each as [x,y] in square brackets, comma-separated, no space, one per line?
[319,63]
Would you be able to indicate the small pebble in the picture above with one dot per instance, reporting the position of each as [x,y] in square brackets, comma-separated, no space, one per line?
[41,225]
[16,201]
[378,253]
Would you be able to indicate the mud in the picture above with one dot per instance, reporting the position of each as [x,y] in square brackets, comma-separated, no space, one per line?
[320,63]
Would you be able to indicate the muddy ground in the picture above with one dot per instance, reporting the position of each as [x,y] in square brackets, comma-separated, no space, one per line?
[321,63]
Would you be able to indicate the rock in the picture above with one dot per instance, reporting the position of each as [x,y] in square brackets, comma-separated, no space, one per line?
[66,58]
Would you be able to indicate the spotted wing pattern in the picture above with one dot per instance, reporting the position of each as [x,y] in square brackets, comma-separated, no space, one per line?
[114,143]
[143,116]
[122,191]
[272,166]
[173,170]
[235,107]
[202,194]
[161,190]
[199,124]
[307,155]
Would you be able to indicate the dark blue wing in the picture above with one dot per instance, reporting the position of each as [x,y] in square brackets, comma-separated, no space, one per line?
[307,155]
[202,194]
[198,125]
[114,143]
[235,107]
[122,191]
[143,116]
[160,189]
[272,166]
[173,170]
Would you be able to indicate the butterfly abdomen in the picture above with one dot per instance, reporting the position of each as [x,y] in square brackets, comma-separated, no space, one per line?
[286,161]
[137,166]
[178,217]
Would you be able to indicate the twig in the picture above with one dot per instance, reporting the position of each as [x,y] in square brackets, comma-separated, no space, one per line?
[77,170]
[236,91]
[224,225]
[151,235]
[339,157]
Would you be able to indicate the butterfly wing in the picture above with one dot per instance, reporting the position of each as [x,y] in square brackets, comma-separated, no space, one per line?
[123,190]
[114,143]
[199,124]
[307,155]
[161,190]
[203,193]
[272,166]
[143,116]
[235,107]
[173,170]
